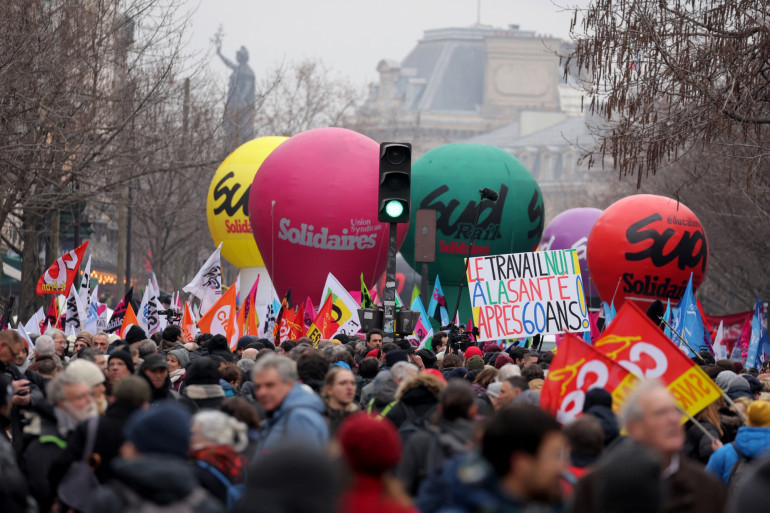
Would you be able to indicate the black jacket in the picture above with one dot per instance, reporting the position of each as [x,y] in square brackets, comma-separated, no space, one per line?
[159,479]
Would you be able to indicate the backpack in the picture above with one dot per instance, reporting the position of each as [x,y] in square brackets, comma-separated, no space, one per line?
[234,491]
[739,468]
[414,424]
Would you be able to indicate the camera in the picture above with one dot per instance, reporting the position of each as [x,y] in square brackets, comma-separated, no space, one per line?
[460,338]
[172,316]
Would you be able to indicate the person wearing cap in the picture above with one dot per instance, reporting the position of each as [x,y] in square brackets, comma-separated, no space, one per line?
[155,370]
[94,378]
[152,471]
[371,448]
[752,441]
[339,392]
[120,365]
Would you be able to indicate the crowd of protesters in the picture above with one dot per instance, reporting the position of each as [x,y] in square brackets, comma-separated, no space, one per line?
[103,424]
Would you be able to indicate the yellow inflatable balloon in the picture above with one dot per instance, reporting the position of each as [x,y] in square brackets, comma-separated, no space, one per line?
[227,203]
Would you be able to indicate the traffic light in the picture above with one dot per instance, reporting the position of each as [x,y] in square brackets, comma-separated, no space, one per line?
[395,181]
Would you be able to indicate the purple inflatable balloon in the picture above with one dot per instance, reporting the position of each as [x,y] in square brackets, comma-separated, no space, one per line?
[570,230]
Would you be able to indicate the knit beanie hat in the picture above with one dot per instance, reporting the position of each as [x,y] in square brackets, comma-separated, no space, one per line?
[135,334]
[162,429]
[182,356]
[597,396]
[132,389]
[395,356]
[472,351]
[370,446]
[493,390]
[203,371]
[87,371]
[245,341]
[759,414]
[474,363]
[501,360]
[125,356]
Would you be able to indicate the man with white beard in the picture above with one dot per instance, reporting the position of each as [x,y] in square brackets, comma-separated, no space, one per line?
[69,402]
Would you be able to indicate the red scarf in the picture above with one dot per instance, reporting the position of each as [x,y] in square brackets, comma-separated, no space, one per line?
[223,458]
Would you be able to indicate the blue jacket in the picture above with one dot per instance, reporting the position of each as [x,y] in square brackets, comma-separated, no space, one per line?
[751,441]
[299,420]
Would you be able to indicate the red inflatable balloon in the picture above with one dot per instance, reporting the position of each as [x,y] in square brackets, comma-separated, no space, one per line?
[313,210]
[643,248]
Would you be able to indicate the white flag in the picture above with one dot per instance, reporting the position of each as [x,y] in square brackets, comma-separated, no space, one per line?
[720,350]
[75,315]
[23,332]
[33,324]
[424,341]
[85,284]
[143,314]
[92,317]
[344,304]
[207,284]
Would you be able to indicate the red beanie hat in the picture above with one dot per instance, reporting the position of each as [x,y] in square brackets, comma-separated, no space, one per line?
[502,359]
[370,446]
[373,353]
[435,372]
[472,351]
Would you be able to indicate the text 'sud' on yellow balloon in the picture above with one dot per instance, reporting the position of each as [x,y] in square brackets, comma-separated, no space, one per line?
[227,203]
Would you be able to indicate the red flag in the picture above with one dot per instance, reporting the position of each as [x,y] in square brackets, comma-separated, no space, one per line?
[297,327]
[309,313]
[577,368]
[59,277]
[128,319]
[285,305]
[635,342]
[323,326]
[288,319]
[733,326]
[52,317]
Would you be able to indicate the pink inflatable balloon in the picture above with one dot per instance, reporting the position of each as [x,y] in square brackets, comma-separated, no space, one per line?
[313,210]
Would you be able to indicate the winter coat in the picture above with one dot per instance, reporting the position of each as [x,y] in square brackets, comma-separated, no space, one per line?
[160,480]
[298,420]
[366,495]
[369,390]
[469,485]
[13,486]
[750,441]
[696,444]
[383,396]
[607,420]
[690,490]
[418,394]
[335,417]
[109,438]
[449,437]
[36,398]
[202,397]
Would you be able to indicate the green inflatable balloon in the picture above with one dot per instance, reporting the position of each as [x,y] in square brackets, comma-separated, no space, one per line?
[447,180]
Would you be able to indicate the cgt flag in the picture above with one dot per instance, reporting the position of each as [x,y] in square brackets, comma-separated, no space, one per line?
[636,343]
[324,326]
[576,369]
[58,279]
[220,318]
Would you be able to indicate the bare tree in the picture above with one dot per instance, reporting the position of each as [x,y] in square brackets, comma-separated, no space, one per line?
[677,76]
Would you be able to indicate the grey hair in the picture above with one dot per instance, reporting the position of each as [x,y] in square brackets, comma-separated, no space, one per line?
[218,428]
[55,389]
[508,370]
[44,345]
[632,411]
[403,370]
[286,367]
[146,347]
[53,331]
[246,365]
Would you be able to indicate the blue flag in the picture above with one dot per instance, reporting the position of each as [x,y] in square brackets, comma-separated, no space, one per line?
[758,343]
[689,325]
[438,302]
[667,318]
[609,313]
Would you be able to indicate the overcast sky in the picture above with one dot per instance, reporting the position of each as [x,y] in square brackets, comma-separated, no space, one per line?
[351,36]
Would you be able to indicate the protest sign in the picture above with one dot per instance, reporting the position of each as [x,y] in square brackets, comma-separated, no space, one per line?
[521,294]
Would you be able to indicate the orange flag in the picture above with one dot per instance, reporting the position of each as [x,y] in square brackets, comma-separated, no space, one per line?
[577,368]
[323,326]
[288,319]
[128,319]
[220,319]
[297,327]
[188,324]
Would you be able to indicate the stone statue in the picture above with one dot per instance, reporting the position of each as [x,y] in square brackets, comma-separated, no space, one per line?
[239,109]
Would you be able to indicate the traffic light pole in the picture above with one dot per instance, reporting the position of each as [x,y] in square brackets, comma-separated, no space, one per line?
[389,297]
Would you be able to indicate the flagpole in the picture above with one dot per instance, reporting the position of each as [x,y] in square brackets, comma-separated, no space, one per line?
[492,196]
[389,294]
